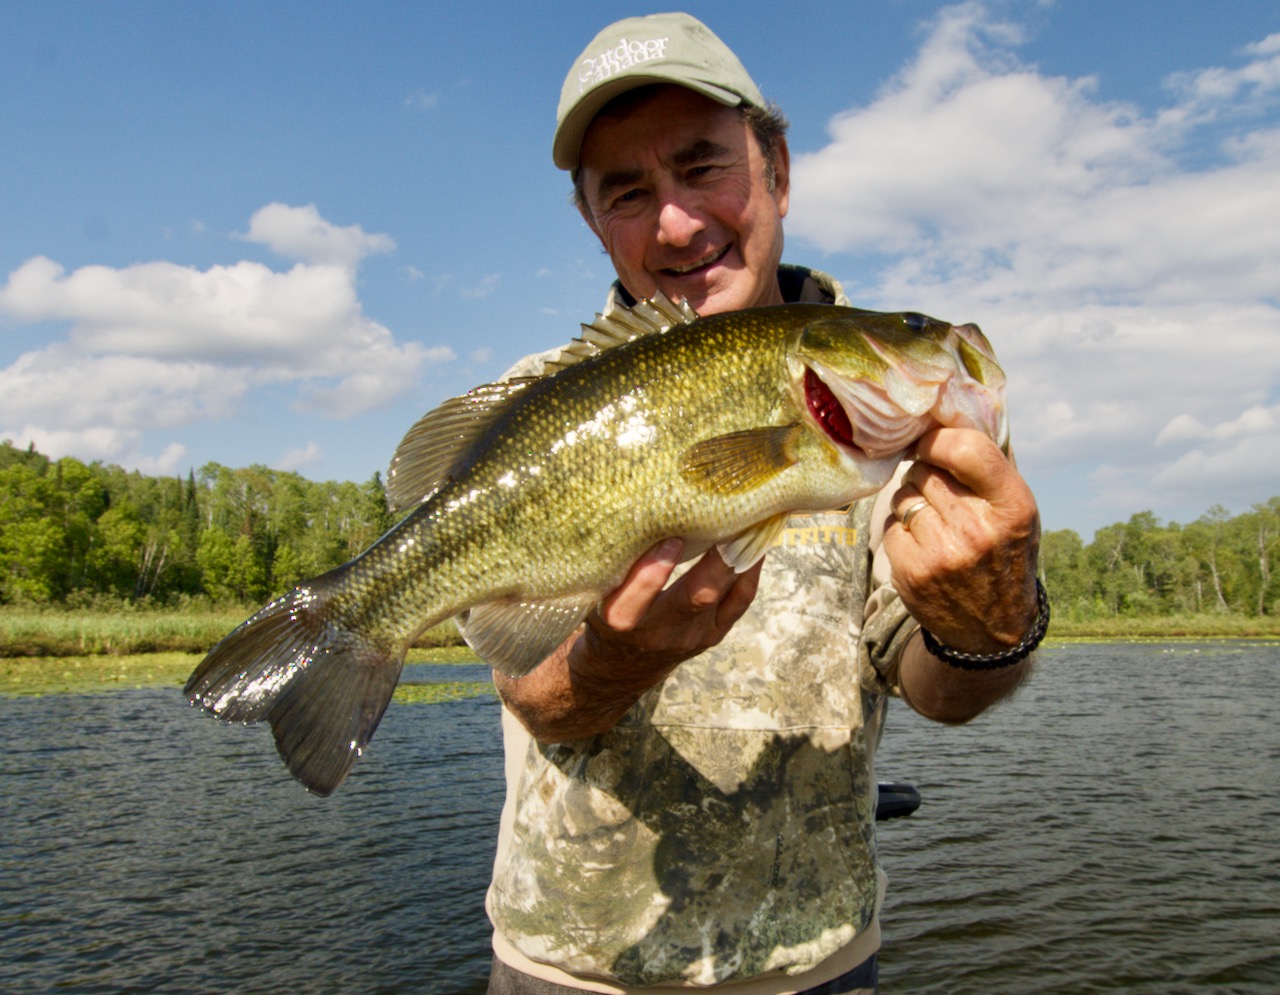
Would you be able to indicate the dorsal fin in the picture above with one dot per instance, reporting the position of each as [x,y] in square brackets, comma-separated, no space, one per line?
[619,324]
[438,441]
[433,447]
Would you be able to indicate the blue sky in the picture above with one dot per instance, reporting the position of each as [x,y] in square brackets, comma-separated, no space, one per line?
[279,232]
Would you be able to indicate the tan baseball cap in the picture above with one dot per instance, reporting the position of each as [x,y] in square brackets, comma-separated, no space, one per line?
[637,51]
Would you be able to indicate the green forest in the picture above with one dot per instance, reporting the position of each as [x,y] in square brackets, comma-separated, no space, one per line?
[85,535]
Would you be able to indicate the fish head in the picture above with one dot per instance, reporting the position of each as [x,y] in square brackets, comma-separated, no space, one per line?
[875,382]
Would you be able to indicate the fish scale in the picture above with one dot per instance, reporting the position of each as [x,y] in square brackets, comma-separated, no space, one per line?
[527,502]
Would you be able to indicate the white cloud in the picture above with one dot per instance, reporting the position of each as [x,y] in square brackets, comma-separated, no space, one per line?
[296,459]
[486,286]
[63,389]
[168,463]
[301,233]
[158,345]
[421,100]
[1122,261]
[1256,421]
[1244,450]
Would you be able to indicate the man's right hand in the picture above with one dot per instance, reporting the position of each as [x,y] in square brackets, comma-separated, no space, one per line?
[641,632]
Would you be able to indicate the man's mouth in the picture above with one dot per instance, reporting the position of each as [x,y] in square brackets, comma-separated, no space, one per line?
[710,259]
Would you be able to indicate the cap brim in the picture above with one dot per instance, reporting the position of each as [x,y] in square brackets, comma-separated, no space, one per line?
[568,141]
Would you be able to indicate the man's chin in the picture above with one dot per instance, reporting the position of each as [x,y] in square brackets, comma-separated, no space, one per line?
[702,298]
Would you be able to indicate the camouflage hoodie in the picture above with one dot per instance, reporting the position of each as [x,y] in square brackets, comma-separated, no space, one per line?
[725,828]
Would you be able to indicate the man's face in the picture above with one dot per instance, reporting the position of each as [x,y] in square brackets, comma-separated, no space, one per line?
[675,187]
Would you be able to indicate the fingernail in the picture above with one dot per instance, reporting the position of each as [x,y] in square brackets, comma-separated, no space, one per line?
[668,551]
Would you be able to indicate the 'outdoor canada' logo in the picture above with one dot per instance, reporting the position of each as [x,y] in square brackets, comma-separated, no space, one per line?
[624,55]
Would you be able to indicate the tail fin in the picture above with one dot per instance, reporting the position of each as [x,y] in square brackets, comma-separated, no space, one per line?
[322,688]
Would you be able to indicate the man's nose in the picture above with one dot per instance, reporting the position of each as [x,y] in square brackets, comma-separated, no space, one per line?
[679,221]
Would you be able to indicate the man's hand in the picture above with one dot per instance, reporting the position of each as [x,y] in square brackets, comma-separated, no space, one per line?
[651,629]
[641,632]
[965,567]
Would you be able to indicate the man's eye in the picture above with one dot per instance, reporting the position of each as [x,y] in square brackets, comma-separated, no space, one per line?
[628,198]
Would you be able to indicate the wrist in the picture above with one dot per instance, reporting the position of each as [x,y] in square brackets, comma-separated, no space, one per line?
[1004,658]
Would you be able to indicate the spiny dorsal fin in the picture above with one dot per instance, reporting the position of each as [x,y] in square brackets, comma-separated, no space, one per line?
[741,461]
[430,451]
[619,324]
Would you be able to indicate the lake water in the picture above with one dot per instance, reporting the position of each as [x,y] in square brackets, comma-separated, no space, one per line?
[1114,829]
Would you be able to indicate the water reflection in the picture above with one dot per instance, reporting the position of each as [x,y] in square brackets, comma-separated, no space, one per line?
[145,846]
[1115,829]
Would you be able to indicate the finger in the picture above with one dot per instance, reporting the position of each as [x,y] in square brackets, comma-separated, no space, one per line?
[904,498]
[627,605]
[738,598]
[701,587]
[965,455]
[910,516]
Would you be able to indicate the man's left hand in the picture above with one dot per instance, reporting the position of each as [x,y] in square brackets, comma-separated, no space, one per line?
[965,566]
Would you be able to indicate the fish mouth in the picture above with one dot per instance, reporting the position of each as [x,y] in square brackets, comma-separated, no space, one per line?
[827,410]
[707,261]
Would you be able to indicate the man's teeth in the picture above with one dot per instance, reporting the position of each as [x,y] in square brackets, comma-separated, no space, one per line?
[704,261]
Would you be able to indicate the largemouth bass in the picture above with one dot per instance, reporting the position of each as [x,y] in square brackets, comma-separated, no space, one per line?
[529,500]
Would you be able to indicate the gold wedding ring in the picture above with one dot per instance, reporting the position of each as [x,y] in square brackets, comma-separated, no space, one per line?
[910,512]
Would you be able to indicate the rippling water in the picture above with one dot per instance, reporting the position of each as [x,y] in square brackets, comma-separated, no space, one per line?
[1117,828]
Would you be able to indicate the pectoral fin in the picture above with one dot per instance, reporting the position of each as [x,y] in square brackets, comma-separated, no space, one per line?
[741,461]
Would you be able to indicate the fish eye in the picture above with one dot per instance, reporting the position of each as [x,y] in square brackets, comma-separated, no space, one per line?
[915,321]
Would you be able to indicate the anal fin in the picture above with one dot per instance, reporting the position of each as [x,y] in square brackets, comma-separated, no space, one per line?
[516,636]
[744,550]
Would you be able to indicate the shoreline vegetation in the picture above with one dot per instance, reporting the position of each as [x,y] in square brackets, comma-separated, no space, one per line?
[126,631]
[55,632]
[50,651]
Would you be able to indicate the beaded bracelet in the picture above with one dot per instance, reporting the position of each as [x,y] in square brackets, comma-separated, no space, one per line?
[1005,658]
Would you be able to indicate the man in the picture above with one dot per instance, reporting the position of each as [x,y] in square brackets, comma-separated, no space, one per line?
[690,784]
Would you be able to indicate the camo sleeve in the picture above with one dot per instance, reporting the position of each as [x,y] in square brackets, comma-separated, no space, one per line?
[532,366]
[887,625]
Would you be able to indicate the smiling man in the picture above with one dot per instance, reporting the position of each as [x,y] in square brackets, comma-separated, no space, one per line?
[690,782]
[670,183]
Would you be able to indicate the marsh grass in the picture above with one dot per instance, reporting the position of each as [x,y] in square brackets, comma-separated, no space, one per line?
[1216,626]
[35,632]
[127,631]
[38,676]
[413,693]
[89,674]
[53,651]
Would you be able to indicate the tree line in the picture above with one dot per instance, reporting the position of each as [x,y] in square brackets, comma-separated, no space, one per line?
[75,533]
[1218,564]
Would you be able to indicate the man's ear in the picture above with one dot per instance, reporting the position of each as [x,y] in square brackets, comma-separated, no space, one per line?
[782,176]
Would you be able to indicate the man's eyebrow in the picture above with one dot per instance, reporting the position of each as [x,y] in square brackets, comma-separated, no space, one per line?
[692,154]
[610,182]
[700,151]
